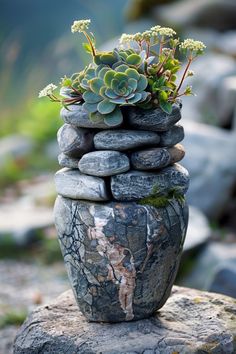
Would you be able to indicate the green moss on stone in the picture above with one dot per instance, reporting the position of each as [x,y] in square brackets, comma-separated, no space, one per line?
[158,200]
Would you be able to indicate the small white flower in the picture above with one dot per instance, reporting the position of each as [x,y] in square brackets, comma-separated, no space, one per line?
[155,28]
[80,26]
[126,38]
[192,45]
[166,31]
[147,35]
[48,90]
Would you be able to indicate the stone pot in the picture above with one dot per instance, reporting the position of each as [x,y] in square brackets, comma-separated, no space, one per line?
[121,255]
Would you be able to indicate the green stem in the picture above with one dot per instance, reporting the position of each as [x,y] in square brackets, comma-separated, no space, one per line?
[90,43]
[184,75]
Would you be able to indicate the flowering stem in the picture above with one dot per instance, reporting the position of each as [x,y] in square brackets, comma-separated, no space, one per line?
[184,75]
[161,44]
[90,43]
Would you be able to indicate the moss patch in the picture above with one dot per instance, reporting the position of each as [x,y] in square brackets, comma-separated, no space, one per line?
[158,200]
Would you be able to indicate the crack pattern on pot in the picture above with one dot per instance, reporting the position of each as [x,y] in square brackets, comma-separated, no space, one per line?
[120,262]
[121,258]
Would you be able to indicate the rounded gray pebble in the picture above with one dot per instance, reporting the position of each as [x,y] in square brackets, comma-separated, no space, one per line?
[156,158]
[75,185]
[104,163]
[74,141]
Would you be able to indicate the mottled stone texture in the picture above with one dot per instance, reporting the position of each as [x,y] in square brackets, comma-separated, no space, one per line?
[122,139]
[79,117]
[155,119]
[134,185]
[191,322]
[121,258]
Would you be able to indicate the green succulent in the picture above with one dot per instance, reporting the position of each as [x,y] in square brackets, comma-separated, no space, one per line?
[107,88]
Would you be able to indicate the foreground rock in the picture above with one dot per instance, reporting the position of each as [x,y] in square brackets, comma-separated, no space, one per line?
[75,185]
[191,322]
[172,136]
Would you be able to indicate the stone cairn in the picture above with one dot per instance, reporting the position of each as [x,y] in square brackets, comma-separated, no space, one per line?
[106,173]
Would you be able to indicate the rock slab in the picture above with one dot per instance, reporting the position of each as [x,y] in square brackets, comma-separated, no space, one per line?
[191,322]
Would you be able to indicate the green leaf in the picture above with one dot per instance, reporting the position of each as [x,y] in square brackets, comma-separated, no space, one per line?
[166,107]
[121,76]
[110,93]
[115,118]
[107,59]
[133,84]
[109,76]
[91,97]
[163,96]
[142,83]
[96,117]
[87,48]
[132,73]
[95,85]
[133,59]
[105,107]
[102,72]
[121,68]
[90,107]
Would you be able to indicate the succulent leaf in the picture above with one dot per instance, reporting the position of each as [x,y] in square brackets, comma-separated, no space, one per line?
[133,59]
[90,107]
[142,83]
[95,85]
[115,118]
[106,106]
[91,97]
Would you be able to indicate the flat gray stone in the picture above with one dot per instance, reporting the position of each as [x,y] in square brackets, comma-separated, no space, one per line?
[135,185]
[153,119]
[77,116]
[156,158]
[104,163]
[191,322]
[74,141]
[172,136]
[121,258]
[66,161]
[75,185]
[124,139]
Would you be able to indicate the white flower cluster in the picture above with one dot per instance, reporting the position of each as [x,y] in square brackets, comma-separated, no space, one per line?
[126,38]
[192,45]
[166,31]
[47,91]
[80,26]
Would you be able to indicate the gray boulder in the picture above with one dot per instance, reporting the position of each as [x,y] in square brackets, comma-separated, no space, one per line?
[212,165]
[134,185]
[104,163]
[191,322]
[74,141]
[156,158]
[218,14]
[73,184]
[122,139]
[214,269]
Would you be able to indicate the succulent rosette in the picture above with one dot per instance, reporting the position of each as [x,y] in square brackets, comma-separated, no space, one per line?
[107,89]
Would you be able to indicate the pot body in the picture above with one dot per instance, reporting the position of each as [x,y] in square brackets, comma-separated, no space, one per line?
[121,257]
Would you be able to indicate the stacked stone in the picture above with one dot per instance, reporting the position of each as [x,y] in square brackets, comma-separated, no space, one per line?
[124,163]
